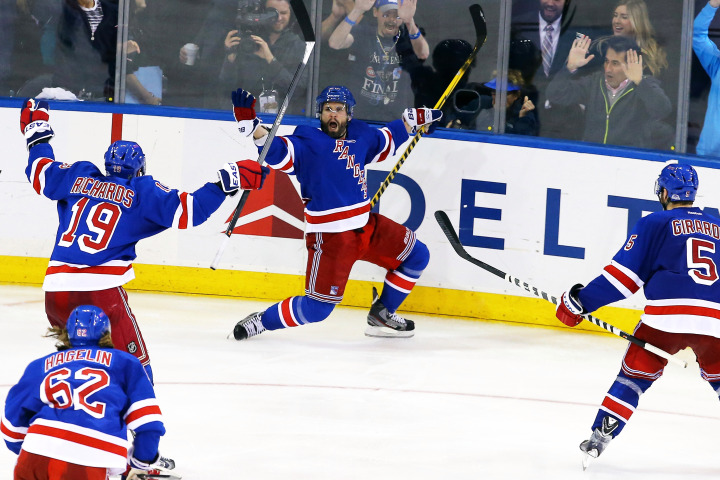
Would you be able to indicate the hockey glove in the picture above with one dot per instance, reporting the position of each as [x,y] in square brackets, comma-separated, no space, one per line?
[245,174]
[570,311]
[244,112]
[416,118]
[33,111]
[34,122]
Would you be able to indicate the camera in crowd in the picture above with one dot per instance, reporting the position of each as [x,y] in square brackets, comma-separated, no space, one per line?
[253,18]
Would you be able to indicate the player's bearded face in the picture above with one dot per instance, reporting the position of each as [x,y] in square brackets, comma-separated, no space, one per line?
[334,119]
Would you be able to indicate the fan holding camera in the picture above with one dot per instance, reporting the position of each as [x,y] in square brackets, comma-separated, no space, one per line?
[262,52]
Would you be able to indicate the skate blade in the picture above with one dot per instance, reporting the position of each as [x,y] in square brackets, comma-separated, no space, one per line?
[587,458]
[166,474]
[385,332]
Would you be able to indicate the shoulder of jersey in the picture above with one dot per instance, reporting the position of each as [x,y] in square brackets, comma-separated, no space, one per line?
[87,168]
[358,127]
[306,131]
[148,182]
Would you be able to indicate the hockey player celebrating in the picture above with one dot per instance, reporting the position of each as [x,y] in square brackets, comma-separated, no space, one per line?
[674,256]
[68,416]
[103,216]
[329,163]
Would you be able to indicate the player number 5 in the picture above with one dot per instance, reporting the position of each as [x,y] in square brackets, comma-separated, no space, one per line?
[702,267]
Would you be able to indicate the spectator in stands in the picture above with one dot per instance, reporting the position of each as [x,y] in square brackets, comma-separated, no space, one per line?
[631,19]
[86,49]
[340,10]
[541,42]
[709,56]
[622,105]
[520,113]
[379,52]
[264,56]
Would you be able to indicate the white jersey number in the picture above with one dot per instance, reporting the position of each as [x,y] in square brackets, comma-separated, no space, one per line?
[101,221]
[58,393]
[702,268]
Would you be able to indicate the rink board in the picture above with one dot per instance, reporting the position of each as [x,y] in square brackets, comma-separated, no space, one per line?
[549,217]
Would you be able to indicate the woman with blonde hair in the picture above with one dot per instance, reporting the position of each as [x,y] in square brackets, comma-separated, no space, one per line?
[631,19]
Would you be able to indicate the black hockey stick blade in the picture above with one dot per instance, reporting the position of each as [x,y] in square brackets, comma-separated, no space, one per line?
[447,228]
[305,24]
[478,18]
[303,20]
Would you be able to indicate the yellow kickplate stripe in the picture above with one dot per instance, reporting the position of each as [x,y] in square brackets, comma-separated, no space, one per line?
[275,287]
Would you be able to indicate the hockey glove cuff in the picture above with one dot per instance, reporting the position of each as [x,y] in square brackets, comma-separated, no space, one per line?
[245,174]
[416,118]
[569,310]
[38,132]
[248,127]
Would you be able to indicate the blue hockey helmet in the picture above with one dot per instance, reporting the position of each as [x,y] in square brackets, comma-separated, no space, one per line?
[680,181]
[335,93]
[125,160]
[86,325]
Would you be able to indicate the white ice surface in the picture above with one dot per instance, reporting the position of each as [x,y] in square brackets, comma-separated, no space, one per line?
[461,400]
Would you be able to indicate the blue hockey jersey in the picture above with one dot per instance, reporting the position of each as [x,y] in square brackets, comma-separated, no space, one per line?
[101,218]
[674,256]
[331,172]
[76,405]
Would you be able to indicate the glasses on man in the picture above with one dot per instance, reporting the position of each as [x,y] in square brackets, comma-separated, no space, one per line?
[331,109]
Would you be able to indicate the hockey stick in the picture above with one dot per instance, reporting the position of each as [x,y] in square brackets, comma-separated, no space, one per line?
[303,20]
[452,237]
[478,18]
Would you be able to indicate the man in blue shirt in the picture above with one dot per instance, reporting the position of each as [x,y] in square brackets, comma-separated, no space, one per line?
[709,56]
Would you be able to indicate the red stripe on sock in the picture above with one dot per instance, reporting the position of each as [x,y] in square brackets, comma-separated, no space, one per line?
[618,409]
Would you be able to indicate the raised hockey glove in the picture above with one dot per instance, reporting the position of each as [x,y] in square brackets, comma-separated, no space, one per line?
[416,118]
[245,174]
[569,310]
[34,124]
[244,112]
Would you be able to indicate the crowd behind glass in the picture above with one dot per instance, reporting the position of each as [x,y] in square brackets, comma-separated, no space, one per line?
[621,72]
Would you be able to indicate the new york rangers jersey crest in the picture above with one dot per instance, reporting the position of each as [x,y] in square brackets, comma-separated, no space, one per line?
[331,172]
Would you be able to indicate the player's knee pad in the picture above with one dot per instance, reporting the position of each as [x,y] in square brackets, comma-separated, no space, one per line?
[313,310]
[416,262]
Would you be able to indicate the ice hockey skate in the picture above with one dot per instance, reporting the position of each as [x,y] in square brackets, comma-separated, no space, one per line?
[383,323]
[248,327]
[599,440]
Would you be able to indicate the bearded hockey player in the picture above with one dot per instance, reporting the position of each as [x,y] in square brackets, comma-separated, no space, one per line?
[330,163]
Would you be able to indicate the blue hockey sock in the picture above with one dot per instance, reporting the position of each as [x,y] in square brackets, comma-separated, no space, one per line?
[401,281]
[621,400]
[296,311]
